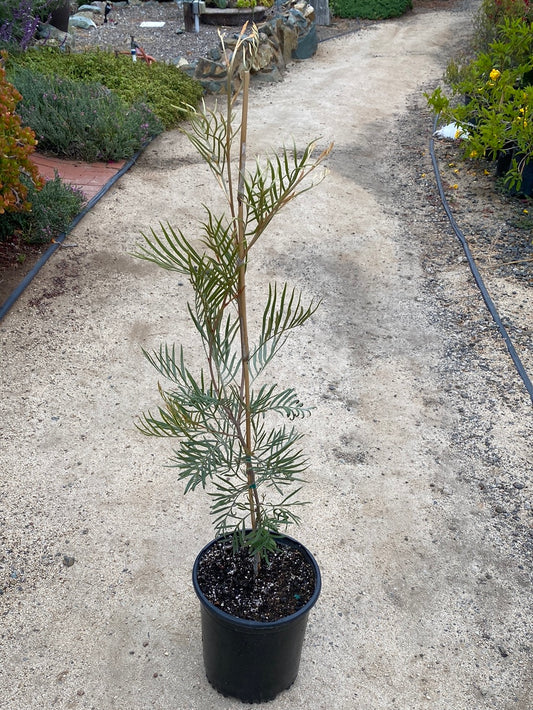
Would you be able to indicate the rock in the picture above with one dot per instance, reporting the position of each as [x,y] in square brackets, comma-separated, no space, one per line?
[215,54]
[310,14]
[89,16]
[296,18]
[81,22]
[212,86]
[90,8]
[206,68]
[270,76]
[288,41]
[264,57]
[181,63]
[290,35]
[307,45]
[49,32]
[68,561]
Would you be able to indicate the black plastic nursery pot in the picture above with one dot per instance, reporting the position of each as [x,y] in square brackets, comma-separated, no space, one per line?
[253,660]
[503,165]
[60,16]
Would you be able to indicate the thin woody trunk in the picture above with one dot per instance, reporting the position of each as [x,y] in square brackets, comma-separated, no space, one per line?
[253,498]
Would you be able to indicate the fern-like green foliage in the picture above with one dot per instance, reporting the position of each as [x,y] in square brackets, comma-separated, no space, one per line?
[224,412]
[370,9]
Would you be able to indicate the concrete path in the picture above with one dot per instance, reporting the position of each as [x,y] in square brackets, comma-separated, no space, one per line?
[425,599]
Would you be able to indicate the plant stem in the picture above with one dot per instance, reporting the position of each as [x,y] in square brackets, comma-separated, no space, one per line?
[253,498]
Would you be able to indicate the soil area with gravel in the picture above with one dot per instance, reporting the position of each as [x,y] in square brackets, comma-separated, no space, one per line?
[167,43]
[171,42]
[420,459]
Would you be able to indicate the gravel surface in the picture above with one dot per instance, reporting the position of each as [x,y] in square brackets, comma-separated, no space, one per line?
[170,42]
[498,231]
[167,43]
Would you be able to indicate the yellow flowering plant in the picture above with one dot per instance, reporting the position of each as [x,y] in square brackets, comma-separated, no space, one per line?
[492,98]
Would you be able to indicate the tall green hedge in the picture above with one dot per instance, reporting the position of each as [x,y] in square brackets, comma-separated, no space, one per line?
[370,9]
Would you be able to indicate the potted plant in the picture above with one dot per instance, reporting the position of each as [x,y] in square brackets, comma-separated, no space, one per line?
[492,96]
[255,584]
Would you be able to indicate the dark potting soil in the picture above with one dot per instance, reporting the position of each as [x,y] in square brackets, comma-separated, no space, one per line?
[283,585]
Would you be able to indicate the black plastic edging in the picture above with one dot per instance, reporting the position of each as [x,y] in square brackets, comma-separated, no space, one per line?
[16,293]
[475,272]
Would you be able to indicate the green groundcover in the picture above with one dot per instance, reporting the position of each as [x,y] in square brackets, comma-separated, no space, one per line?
[370,9]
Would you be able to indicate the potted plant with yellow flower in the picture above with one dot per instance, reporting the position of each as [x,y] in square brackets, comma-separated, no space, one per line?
[492,97]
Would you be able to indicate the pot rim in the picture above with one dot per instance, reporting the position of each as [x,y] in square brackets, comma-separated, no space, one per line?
[251,623]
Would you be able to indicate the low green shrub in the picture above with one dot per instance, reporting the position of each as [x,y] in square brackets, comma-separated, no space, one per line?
[492,99]
[82,121]
[52,210]
[370,9]
[163,87]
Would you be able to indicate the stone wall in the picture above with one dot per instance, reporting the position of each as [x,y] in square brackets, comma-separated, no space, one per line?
[290,34]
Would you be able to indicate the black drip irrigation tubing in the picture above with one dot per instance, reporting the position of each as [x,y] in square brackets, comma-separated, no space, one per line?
[475,272]
[337,36]
[58,241]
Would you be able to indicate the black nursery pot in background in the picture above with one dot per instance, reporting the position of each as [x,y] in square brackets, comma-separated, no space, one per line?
[504,161]
[253,660]
[60,16]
